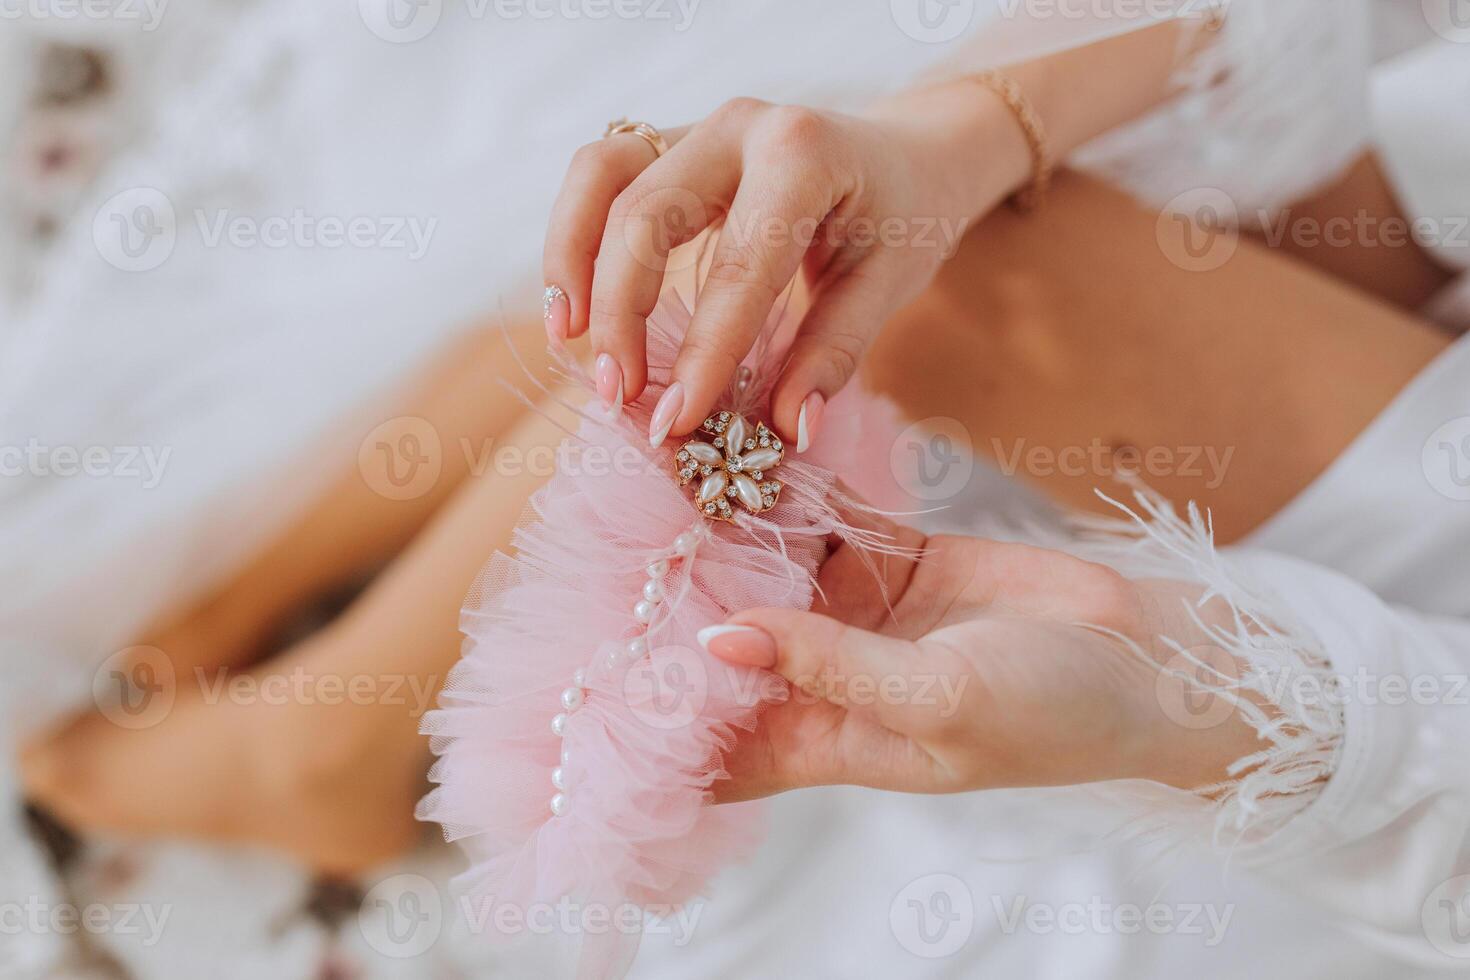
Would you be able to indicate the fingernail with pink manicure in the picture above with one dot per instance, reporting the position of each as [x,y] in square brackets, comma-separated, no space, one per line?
[742,645]
[664,414]
[556,310]
[809,420]
[610,384]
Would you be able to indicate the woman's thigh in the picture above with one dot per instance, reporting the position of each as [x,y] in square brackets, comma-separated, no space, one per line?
[1068,345]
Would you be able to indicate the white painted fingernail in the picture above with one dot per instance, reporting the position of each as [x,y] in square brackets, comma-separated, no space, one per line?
[710,633]
[808,420]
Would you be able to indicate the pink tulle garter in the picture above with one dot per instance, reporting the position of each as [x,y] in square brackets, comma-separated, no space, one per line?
[580,734]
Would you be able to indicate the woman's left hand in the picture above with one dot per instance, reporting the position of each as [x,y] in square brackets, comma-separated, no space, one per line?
[866,206]
[1001,665]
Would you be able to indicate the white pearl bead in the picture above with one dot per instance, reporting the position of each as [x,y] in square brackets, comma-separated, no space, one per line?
[637,647]
[559,725]
[559,804]
[653,590]
[566,755]
[659,568]
[685,544]
[579,677]
[644,611]
[559,778]
[614,661]
[571,699]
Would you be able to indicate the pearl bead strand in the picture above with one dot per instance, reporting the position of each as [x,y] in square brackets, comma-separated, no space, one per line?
[644,611]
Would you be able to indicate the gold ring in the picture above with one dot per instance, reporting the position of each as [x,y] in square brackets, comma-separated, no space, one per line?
[654,138]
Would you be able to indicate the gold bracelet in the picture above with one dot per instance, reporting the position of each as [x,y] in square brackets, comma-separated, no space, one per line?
[1033,195]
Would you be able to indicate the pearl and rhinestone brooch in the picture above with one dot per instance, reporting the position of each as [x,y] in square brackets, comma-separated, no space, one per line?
[734,466]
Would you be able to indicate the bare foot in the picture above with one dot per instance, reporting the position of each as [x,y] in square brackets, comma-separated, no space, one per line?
[281,756]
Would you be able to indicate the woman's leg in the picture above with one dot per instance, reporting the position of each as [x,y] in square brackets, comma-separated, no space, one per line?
[364,519]
[316,752]
[1066,342]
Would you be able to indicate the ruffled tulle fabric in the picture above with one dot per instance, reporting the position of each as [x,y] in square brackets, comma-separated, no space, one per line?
[644,746]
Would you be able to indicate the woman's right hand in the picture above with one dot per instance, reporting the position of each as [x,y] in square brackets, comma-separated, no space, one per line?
[1000,665]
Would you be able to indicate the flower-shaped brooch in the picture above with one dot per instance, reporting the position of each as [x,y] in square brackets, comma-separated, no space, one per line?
[734,466]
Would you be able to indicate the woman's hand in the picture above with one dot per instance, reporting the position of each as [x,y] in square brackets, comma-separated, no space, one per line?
[868,207]
[983,677]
